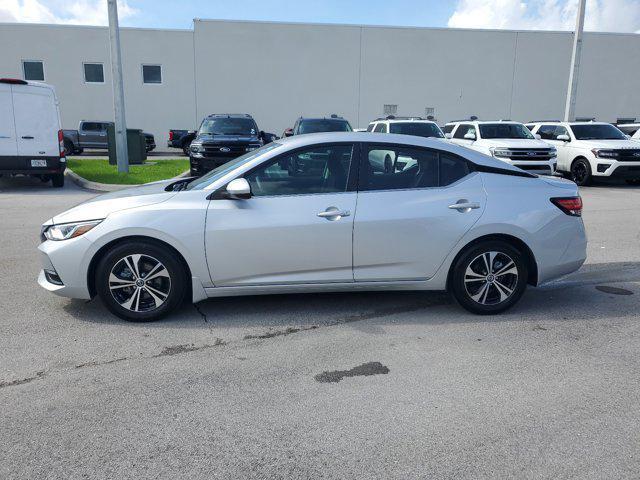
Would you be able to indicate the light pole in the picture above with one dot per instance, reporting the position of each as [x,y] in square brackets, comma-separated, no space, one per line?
[574,73]
[122,152]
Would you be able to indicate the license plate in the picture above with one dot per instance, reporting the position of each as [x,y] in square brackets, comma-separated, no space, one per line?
[38,163]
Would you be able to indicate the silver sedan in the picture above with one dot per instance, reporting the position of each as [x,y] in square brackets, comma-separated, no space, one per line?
[312,214]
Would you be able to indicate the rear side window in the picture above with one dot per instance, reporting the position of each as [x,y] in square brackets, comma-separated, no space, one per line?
[452,169]
[418,129]
[380,128]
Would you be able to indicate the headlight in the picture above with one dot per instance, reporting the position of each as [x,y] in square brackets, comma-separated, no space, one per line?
[66,231]
[251,148]
[553,152]
[501,152]
[605,153]
[197,148]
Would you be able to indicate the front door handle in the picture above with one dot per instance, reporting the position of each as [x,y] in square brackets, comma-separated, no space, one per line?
[27,137]
[333,213]
[464,206]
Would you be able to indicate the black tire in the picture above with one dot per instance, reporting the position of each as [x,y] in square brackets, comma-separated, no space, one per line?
[185,147]
[69,148]
[57,180]
[167,291]
[484,296]
[581,172]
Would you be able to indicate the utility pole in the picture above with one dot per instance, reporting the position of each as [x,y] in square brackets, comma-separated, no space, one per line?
[122,152]
[574,73]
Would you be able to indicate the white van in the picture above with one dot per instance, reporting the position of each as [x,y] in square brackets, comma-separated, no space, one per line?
[31,140]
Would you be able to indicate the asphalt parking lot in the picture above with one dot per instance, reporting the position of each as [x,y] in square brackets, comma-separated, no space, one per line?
[368,385]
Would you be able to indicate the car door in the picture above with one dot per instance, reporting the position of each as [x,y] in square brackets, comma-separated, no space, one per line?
[549,133]
[296,227]
[90,134]
[460,132]
[8,144]
[407,221]
[36,120]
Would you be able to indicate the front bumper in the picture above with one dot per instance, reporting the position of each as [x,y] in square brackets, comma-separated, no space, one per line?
[616,169]
[547,167]
[68,260]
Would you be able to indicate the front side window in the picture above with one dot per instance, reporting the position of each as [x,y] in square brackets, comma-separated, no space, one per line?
[33,70]
[597,132]
[312,170]
[151,74]
[380,128]
[370,127]
[449,128]
[419,129]
[505,130]
[228,126]
[321,125]
[464,129]
[93,73]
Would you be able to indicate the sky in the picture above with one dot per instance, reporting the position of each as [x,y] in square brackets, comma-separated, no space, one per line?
[602,15]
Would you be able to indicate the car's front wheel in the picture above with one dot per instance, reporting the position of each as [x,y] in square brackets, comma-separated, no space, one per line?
[489,277]
[141,281]
[581,172]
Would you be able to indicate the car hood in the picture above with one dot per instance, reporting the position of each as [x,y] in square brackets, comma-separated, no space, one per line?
[613,144]
[102,205]
[215,139]
[515,143]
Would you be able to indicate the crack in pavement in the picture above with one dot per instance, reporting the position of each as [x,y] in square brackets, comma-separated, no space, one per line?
[279,333]
[178,349]
[21,381]
[366,369]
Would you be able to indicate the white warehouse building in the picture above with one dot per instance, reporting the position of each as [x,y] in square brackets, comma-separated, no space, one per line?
[279,71]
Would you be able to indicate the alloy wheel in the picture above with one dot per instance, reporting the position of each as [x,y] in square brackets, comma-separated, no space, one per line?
[139,283]
[491,278]
[580,172]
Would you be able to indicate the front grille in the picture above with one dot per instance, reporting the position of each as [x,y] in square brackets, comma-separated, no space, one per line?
[542,169]
[530,154]
[230,151]
[629,155]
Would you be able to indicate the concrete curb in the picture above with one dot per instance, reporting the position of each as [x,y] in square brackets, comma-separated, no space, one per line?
[104,187]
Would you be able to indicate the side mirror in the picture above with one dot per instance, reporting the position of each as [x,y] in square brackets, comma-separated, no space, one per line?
[470,136]
[238,189]
[448,135]
[538,137]
[563,138]
[288,132]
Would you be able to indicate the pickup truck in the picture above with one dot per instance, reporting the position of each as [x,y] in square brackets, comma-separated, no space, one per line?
[181,139]
[92,134]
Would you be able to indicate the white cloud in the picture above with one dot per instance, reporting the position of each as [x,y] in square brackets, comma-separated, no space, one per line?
[601,15]
[76,12]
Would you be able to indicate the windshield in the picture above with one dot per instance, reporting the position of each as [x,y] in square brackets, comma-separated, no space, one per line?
[597,132]
[222,170]
[317,126]
[504,130]
[228,126]
[418,129]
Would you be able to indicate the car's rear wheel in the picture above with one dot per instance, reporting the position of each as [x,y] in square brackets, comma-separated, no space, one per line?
[69,148]
[489,277]
[141,281]
[581,172]
[57,180]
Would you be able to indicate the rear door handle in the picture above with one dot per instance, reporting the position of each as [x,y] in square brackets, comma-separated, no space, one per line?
[464,206]
[333,213]
[27,137]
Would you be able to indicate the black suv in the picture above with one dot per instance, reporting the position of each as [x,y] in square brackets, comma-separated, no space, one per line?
[317,125]
[223,137]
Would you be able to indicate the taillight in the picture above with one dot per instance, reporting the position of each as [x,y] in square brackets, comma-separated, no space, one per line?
[61,143]
[170,136]
[569,205]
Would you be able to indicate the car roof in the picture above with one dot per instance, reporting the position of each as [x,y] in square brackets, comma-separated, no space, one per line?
[403,120]
[568,123]
[333,119]
[482,122]
[297,141]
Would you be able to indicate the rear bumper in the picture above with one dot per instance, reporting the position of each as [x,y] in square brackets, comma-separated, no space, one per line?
[22,166]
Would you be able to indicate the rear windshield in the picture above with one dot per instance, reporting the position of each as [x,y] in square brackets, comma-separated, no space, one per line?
[504,130]
[418,129]
[597,132]
[229,126]
[318,126]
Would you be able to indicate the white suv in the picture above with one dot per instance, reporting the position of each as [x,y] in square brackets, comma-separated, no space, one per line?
[591,149]
[508,141]
[386,161]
